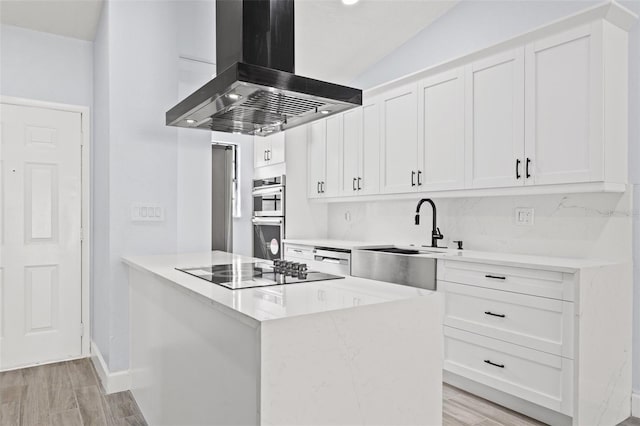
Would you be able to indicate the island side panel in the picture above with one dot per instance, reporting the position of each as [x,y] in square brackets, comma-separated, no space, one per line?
[604,339]
[191,364]
[371,365]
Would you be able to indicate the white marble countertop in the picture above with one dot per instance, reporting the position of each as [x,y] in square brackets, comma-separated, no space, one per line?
[560,264]
[273,302]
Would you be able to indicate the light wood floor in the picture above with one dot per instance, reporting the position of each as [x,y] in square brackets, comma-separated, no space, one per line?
[64,394]
[463,409]
[69,394]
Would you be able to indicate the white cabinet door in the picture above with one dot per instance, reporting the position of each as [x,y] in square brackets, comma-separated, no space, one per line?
[351,151]
[441,131]
[564,107]
[317,153]
[334,156]
[369,182]
[399,125]
[495,121]
[275,148]
[260,145]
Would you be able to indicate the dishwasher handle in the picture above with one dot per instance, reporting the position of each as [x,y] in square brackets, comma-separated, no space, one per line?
[334,260]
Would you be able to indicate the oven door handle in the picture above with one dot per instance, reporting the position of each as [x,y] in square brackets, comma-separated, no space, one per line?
[267,220]
[267,191]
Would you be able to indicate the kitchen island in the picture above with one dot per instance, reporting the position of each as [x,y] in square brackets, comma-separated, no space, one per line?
[344,351]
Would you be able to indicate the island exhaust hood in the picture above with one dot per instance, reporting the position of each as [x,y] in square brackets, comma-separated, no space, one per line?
[256,91]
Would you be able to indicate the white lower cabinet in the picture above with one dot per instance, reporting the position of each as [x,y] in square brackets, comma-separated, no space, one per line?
[538,377]
[553,339]
[539,323]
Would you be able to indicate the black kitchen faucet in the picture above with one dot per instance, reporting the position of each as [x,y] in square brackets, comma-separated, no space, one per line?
[435,231]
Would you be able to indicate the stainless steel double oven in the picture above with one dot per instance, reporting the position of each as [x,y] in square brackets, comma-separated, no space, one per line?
[268,217]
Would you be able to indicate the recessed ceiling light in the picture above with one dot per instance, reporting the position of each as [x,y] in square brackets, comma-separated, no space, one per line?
[191,121]
[325,112]
[349,2]
[234,96]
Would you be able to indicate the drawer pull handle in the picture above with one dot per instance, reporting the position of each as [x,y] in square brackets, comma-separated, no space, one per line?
[496,277]
[494,364]
[297,251]
[495,315]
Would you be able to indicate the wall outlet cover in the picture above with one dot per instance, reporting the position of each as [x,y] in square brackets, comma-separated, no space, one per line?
[524,216]
[147,212]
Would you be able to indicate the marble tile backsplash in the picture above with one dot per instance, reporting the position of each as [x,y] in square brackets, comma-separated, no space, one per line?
[568,225]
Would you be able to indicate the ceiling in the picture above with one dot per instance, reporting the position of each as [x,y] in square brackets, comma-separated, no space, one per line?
[70,18]
[337,42]
[334,42]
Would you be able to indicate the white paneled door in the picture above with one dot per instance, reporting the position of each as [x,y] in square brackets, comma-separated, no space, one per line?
[40,261]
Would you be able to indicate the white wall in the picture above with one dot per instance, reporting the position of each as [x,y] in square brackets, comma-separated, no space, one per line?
[567,225]
[467,27]
[579,225]
[101,267]
[45,67]
[141,72]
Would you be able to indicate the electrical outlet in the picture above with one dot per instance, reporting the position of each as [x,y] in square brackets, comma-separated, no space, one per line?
[524,216]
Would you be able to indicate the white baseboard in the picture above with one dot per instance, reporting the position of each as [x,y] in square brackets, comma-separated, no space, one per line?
[111,382]
[635,404]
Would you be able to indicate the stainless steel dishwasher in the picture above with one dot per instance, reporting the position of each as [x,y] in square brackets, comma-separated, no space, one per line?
[395,265]
[325,259]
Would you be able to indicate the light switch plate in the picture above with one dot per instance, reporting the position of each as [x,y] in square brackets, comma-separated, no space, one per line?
[524,216]
[147,212]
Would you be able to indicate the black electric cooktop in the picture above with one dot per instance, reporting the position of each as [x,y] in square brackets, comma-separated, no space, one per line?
[237,276]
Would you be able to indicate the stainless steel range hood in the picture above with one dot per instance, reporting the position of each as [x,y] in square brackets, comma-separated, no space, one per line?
[256,91]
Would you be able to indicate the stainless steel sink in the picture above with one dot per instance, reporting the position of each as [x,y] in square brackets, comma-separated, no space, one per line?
[395,265]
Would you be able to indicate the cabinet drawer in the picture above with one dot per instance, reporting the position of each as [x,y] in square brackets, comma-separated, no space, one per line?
[298,252]
[535,322]
[532,375]
[536,282]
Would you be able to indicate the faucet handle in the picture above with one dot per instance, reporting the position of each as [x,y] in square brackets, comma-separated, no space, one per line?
[437,234]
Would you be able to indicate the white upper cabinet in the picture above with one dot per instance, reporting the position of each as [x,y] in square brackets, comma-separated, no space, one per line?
[564,111]
[335,139]
[546,112]
[441,132]
[317,153]
[260,151]
[495,121]
[276,150]
[369,176]
[351,148]
[361,150]
[268,150]
[399,151]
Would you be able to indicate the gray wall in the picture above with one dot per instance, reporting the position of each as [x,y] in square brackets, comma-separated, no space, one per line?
[472,25]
